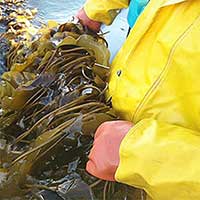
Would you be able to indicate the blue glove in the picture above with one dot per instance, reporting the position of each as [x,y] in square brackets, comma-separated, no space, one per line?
[135,9]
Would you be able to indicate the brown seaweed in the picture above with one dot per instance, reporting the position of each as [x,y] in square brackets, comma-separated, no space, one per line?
[54,98]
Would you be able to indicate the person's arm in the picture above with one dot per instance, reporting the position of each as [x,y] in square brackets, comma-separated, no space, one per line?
[161,158]
[96,12]
[104,11]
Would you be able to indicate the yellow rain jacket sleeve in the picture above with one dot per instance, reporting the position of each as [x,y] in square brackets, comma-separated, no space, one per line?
[104,10]
[162,159]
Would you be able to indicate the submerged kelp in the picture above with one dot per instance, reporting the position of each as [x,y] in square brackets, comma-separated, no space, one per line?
[52,101]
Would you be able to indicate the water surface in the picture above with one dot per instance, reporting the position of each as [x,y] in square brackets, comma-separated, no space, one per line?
[59,10]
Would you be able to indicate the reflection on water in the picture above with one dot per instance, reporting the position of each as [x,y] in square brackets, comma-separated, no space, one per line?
[59,10]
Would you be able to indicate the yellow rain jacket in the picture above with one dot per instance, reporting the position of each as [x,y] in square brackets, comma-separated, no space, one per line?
[155,83]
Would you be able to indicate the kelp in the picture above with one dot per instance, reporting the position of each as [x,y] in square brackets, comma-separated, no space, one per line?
[52,99]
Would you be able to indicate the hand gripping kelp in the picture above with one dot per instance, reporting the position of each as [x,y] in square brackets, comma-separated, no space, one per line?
[52,99]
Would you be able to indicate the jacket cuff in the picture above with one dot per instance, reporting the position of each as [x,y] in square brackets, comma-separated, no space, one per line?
[100,15]
[127,144]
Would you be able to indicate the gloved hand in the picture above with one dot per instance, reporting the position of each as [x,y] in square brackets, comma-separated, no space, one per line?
[104,156]
[86,21]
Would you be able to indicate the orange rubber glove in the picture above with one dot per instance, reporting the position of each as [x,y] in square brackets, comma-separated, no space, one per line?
[86,21]
[104,156]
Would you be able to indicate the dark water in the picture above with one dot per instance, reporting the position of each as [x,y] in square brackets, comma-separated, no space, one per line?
[3,48]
